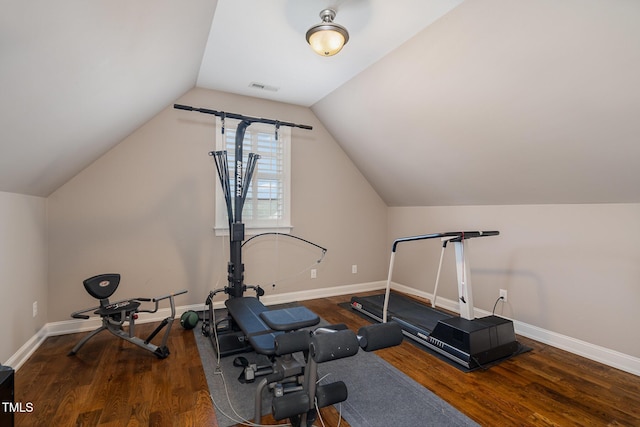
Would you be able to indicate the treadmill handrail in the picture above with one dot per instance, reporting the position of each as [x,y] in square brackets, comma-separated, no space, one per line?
[454,236]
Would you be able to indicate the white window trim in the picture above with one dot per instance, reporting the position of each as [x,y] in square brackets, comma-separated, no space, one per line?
[253,226]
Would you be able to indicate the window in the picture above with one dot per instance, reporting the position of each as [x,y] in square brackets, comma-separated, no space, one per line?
[267,206]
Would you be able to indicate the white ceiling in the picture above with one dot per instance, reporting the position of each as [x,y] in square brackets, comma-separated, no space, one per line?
[254,41]
[437,102]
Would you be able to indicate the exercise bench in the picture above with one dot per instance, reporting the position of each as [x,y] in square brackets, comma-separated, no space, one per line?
[115,314]
[261,327]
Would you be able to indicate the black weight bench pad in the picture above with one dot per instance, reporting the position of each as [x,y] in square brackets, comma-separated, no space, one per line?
[254,319]
[290,319]
[117,308]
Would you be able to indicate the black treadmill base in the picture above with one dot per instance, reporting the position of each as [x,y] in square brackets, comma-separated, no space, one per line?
[470,344]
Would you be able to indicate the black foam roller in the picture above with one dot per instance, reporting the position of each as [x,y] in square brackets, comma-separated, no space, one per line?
[333,345]
[290,405]
[380,335]
[292,342]
[330,394]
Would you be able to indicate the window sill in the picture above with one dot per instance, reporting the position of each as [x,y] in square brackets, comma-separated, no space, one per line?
[252,231]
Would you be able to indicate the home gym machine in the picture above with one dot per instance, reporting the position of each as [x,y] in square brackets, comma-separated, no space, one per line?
[243,329]
[462,339]
[277,334]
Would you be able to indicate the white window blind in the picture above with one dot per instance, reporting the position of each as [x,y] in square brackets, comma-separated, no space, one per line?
[267,206]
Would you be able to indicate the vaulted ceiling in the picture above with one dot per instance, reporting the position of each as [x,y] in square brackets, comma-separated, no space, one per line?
[438,102]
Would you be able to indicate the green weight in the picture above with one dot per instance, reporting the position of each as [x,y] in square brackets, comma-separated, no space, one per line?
[189,319]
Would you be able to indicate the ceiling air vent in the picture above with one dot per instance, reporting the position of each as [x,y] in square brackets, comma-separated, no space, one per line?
[262,86]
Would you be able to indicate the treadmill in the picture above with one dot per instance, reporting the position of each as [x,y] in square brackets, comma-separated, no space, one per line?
[463,339]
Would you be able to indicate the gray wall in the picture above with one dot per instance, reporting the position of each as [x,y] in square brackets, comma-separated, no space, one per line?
[23,268]
[569,269]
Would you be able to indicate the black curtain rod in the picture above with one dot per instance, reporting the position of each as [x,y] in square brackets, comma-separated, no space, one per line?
[240,117]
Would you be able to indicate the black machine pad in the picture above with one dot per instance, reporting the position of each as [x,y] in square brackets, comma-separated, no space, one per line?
[289,319]
[116,308]
[102,286]
[261,326]
[246,312]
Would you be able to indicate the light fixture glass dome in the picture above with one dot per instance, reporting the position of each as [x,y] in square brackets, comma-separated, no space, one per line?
[327,38]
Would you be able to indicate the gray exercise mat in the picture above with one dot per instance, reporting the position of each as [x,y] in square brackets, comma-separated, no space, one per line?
[382,396]
[379,394]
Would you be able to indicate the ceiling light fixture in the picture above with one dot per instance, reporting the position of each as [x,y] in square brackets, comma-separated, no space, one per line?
[327,38]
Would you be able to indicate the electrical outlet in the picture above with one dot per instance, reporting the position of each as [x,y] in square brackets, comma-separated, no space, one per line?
[503,294]
[314,273]
[35,308]
[354,269]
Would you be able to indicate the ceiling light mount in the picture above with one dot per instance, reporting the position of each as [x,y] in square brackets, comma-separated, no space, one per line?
[327,38]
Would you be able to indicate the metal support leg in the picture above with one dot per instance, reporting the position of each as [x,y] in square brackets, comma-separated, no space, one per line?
[85,339]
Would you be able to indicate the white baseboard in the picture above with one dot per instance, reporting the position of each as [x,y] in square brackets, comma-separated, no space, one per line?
[594,352]
[28,348]
[603,355]
[322,293]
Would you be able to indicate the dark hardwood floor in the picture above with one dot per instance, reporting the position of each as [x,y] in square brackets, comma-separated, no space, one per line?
[113,383]
[543,387]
